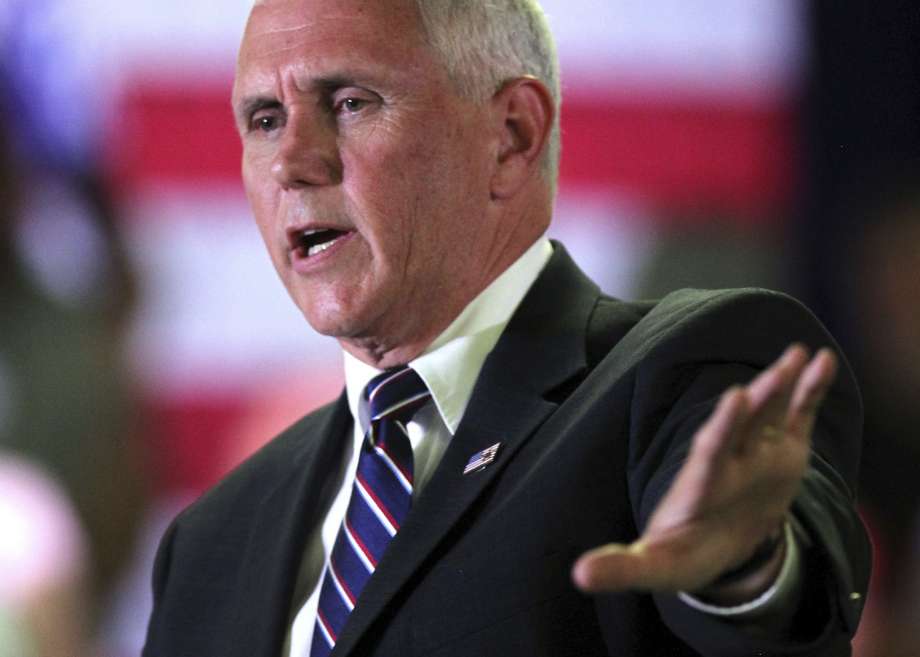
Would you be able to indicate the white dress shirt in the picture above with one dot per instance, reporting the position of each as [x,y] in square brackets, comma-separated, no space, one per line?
[449,367]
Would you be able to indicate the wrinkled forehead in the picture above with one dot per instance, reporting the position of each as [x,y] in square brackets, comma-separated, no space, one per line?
[398,20]
[378,29]
[307,42]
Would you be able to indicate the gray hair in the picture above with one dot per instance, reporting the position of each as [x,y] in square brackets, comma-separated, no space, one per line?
[484,43]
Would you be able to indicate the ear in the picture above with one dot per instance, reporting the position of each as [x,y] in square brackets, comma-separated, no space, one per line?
[524,111]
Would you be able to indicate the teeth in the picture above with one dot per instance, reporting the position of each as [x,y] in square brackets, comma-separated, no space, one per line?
[316,240]
[319,248]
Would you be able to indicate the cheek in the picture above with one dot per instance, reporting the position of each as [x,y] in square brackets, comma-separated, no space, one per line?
[255,177]
[385,190]
[424,212]
[262,200]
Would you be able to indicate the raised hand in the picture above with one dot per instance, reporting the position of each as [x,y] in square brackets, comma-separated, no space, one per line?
[733,491]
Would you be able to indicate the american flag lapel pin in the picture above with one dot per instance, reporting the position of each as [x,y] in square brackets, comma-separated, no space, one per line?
[481,459]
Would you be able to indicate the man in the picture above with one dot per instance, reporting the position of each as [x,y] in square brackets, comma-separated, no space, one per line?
[577,475]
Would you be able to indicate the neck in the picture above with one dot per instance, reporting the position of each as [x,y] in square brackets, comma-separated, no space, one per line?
[383,356]
[406,340]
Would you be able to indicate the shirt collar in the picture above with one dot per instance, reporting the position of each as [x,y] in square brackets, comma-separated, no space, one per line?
[450,365]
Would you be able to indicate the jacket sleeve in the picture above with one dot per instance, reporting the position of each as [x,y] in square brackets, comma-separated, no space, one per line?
[700,345]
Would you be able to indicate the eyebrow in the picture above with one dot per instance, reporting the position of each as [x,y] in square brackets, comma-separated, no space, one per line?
[251,105]
[326,84]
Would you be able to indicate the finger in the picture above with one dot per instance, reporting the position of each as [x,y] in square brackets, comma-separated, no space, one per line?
[684,558]
[810,391]
[776,390]
[667,563]
[716,437]
[613,567]
[762,387]
[721,433]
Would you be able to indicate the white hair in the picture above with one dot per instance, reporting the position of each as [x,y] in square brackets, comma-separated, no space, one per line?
[485,43]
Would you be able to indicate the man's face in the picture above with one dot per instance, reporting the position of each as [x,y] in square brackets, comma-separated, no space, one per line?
[367,173]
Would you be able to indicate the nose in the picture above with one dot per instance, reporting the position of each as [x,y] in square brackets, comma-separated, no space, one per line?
[307,154]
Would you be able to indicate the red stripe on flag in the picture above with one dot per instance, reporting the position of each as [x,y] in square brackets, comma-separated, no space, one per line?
[674,152]
[680,153]
[189,439]
[175,135]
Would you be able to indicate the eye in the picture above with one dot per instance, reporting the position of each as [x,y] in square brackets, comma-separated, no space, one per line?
[353,100]
[265,123]
[352,104]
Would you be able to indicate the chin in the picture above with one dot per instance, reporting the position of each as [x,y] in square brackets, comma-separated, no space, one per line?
[333,320]
[332,327]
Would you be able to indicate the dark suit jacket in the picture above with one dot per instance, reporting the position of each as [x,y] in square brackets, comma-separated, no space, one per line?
[594,402]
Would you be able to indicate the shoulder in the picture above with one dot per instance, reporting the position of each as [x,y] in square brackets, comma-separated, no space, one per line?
[750,325]
[692,344]
[688,308]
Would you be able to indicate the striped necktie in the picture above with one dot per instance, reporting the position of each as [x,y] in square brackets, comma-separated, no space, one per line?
[380,500]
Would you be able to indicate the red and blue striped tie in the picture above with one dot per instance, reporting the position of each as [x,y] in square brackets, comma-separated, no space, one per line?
[380,501]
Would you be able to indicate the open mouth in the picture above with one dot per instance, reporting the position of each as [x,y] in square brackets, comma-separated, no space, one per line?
[312,241]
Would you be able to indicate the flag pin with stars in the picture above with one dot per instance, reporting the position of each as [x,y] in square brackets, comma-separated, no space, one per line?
[479,460]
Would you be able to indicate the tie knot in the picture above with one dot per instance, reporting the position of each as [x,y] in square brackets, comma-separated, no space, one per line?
[395,394]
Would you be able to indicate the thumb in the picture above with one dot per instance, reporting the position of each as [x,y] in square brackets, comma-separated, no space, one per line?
[612,567]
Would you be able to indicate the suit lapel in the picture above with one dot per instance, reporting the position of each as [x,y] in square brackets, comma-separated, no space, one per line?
[275,544]
[540,350]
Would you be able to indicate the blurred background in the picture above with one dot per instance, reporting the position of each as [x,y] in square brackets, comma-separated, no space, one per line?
[146,346]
